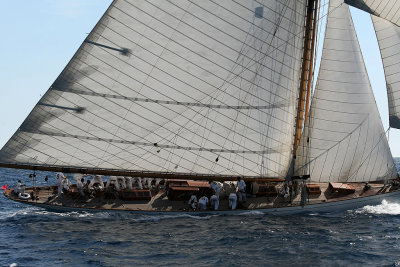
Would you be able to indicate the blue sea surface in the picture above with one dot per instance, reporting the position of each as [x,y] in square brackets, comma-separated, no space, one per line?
[31,236]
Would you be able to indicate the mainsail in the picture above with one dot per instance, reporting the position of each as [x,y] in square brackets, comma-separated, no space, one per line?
[343,139]
[201,87]
[388,36]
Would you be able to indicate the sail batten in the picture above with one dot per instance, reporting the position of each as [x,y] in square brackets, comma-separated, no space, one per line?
[178,87]
[343,140]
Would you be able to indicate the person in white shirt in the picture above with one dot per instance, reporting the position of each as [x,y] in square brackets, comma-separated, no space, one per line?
[241,190]
[232,201]
[216,187]
[113,181]
[98,181]
[60,178]
[128,182]
[203,201]
[140,185]
[193,201]
[214,201]
[66,184]
[121,182]
[79,184]
[20,188]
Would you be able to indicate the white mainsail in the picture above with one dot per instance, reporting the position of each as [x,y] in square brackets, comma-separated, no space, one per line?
[388,36]
[344,139]
[386,9]
[206,87]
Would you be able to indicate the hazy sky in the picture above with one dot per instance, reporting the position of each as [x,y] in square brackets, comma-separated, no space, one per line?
[41,36]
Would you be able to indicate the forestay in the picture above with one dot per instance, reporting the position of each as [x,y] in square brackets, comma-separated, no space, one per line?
[386,9]
[388,36]
[204,87]
[344,139]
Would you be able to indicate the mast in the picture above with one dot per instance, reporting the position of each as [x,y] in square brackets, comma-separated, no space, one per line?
[307,70]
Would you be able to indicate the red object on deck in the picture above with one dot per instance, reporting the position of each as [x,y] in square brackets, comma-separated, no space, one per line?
[4,187]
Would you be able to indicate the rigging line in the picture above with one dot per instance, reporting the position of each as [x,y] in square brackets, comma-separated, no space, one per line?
[137,146]
[259,67]
[152,77]
[172,88]
[294,36]
[227,22]
[115,155]
[41,152]
[157,114]
[72,125]
[129,88]
[268,126]
[237,114]
[119,147]
[345,137]
[244,19]
[197,54]
[191,38]
[166,102]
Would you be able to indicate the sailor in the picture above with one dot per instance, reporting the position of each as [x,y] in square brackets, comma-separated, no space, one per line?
[128,182]
[66,184]
[88,188]
[216,187]
[20,188]
[214,201]
[203,201]
[157,183]
[140,185]
[285,191]
[79,184]
[113,181]
[98,183]
[193,201]
[241,190]
[121,183]
[60,178]
[232,201]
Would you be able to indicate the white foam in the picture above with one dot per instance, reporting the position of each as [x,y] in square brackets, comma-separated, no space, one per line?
[385,207]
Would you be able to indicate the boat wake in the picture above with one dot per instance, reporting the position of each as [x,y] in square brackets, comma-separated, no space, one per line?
[390,208]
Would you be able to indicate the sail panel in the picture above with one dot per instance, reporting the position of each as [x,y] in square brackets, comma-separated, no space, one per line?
[386,9]
[343,140]
[388,36]
[204,87]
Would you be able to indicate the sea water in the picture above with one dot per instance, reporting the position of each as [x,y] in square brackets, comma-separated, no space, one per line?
[31,236]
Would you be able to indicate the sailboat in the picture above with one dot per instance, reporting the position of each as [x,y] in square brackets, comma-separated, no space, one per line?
[190,92]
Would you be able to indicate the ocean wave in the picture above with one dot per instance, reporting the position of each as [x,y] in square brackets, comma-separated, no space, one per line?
[390,208]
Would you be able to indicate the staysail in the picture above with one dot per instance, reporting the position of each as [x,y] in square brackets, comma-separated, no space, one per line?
[386,9]
[344,139]
[388,36]
[202,87]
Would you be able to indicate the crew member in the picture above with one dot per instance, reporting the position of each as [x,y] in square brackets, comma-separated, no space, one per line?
[60,178]
[193,201]
[203,201]
[79,184]
[232,201]
[113,181]
[20,188]
[241,190]
[98,183]
[128,182]
[214,201]
[216,187]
